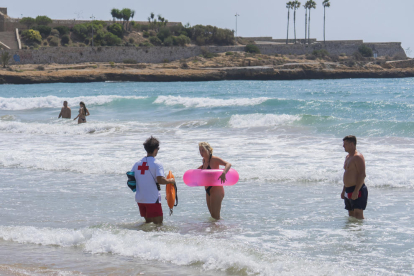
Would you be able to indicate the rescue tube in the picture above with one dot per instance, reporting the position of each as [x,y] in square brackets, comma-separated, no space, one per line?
[132,183]
[171,193]
[199,177]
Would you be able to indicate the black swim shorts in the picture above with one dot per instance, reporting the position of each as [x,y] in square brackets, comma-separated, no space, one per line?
[360,202]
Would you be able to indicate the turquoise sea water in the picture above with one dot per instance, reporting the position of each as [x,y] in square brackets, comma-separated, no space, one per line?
[65,208]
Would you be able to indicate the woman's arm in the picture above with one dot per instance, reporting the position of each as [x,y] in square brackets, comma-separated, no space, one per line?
[87,113]
[76,117]
[227,167]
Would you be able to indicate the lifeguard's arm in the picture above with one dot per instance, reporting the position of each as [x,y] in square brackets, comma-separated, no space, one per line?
[227,167]
[163,180]
[360,177]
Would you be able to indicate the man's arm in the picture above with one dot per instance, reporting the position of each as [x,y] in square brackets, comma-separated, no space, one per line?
[60,114]
[70,113]
[163,180]
[360,176]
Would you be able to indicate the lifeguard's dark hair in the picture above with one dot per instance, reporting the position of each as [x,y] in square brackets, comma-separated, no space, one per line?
[151,144]
[350,138]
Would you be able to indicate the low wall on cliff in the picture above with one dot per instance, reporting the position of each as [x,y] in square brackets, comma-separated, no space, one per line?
[69,55]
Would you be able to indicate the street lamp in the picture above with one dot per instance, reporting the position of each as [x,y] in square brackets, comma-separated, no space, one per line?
[236,15]
[93,18]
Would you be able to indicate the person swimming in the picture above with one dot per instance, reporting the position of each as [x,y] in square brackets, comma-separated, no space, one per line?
[83,112]
[214,194]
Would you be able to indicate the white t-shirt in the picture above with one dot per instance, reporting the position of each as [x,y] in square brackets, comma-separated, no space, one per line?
[146,171]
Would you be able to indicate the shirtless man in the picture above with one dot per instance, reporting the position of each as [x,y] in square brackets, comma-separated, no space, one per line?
[65,112]
[354,193]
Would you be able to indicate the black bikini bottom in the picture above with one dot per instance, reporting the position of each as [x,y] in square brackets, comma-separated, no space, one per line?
[208,190]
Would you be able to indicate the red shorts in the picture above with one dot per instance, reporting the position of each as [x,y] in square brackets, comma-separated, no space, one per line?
[150,210]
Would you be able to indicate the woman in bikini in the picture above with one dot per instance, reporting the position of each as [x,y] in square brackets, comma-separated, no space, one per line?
[83,112]
[214,194]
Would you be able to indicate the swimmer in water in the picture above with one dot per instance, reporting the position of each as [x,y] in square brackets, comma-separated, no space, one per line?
[83,112]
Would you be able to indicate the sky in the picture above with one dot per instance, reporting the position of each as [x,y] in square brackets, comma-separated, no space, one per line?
[370,20]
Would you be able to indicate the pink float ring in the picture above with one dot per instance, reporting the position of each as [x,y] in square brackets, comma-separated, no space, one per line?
[200,177]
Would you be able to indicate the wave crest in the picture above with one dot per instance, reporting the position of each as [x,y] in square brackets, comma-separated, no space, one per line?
[208,102]
[57,102]
[261,120]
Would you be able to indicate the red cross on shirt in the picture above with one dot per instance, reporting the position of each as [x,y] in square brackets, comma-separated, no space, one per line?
[143,168]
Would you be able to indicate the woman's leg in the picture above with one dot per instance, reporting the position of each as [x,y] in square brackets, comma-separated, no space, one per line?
[216,197]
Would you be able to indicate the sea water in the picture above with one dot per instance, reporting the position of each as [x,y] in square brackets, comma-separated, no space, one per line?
[65,208]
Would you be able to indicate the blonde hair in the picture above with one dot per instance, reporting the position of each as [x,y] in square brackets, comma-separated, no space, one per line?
[206,146]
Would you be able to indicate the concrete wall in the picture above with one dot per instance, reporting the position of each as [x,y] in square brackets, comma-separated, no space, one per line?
[66,55]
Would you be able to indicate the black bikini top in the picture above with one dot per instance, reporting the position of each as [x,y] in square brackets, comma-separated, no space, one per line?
[209,168]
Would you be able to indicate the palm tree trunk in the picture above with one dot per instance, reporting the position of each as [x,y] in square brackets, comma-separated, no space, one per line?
[306,23]
[287,36]
[309,27]
[324,25]
[294,23]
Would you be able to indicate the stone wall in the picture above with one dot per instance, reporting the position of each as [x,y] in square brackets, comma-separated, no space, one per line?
[69,55]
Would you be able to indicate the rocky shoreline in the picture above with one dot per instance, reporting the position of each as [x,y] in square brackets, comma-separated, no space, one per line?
[209,74]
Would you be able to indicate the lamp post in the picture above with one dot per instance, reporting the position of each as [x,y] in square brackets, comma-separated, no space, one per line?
[93,18]
[236,15]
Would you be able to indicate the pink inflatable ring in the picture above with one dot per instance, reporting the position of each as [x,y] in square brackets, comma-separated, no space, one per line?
[199,177]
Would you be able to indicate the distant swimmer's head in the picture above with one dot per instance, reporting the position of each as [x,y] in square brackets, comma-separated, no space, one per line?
[151,145]
[205,149]
[65,104]
[350,142]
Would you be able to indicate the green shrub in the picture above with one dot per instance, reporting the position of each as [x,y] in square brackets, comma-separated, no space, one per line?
[165,60]
[358,56]
[184,65]
[181,40]
[130,61]
[63,30]
[32,36]
[145,34]
[229,53]
[84,30]
[144,28]
[28,21]
[320,53]
[163,33]
[116,29]
[145,44]
[112,40]
[54,42]
[155,41]
[55,32]
[365,51]
[5,58]
[251,48]
[169,41]
[81,45]
[43,30]
[65,40]
[35,45]
[207,54]
[207,35]
[112,64]
[87,41]
[43,20]
[45,43]
[40,68]
[342,54]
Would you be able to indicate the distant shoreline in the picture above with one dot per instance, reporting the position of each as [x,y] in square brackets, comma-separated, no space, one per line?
[177,74]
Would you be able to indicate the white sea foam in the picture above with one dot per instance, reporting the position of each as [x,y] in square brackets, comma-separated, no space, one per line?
[57,102]
[208,102]
[261,120]
[68,127]
[183,250]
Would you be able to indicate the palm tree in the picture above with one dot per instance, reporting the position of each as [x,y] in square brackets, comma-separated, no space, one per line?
[296,5]
[325,4]
[306,19]
[289,5]
[114,13]
[312,5]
